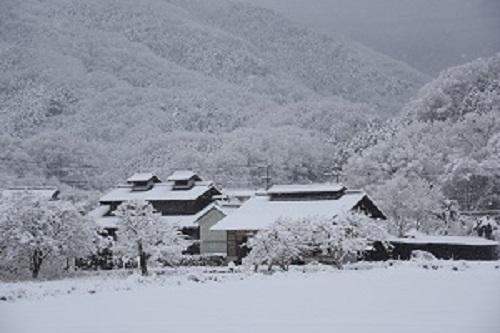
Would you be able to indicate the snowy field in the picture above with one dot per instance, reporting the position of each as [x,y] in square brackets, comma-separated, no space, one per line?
[406,297]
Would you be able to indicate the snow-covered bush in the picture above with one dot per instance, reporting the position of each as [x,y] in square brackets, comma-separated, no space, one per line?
[333,239]
[343,237]
[143,235]
[419,255]
[203,260]
[38,235]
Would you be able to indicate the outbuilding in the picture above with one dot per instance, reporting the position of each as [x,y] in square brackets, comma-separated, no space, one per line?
[442,247]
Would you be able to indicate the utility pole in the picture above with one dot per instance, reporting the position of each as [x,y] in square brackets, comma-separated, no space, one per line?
[335,172]
[267,178]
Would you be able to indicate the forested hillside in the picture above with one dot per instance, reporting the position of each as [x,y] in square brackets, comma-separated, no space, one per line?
[95,90]
[445,145]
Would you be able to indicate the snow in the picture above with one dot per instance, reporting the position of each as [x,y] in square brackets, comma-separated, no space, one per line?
[227,209]
[305,188]
[182,175]
[239,193]
[486,220]
[366,298]
[140,177]
[99,211]
[458,240]
[113,222]
[191,220]
[159,192]
[260,212]
[105,222]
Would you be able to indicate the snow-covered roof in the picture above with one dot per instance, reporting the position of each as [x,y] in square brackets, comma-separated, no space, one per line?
[98,215]
[99,211]
[159,192]
[107,222]
[113,222]
[239,192]
[456,240]
[141,177]
[191,220]
[183,175]
[46,192]
[260,212]
[310,188]
[228,208]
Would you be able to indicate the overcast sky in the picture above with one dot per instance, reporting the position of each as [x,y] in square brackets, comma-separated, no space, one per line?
[430,35]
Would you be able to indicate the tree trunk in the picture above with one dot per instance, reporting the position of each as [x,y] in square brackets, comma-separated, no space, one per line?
[400,226]
[337,259]
[36,263]
[143,263]
[270,266]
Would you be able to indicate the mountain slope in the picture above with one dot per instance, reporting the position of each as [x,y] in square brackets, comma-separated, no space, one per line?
[448,135]
[95,85]
[323,64]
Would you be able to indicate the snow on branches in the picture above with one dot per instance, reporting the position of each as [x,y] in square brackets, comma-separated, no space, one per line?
[333,239]
[279,245]
[142,234]
[35,231]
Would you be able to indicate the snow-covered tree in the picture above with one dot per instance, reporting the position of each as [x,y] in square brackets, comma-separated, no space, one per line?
[487,227]
[410,203]
[36,232]
[95,94]
[335,238]
[449,221]
[143,235]
[279,245]
[447,136]
[344,236]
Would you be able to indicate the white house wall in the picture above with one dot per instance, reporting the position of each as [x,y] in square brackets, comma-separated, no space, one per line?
[212,242]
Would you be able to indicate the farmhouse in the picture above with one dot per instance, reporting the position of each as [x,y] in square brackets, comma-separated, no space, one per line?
[184,199]
[289,202]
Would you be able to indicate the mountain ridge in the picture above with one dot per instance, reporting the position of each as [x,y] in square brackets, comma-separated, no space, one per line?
[101,82]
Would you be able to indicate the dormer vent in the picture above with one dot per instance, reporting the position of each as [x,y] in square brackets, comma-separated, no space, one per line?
[143,181]
[183,180]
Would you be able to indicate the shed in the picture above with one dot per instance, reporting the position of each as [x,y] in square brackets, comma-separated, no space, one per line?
[442,247]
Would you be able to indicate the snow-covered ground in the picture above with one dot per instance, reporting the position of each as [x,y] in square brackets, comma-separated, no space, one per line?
[405,297]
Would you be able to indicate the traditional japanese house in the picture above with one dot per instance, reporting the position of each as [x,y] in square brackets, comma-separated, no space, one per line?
[289,202]
[184,199]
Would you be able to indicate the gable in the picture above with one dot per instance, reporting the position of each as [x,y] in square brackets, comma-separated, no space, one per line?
[260,212]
